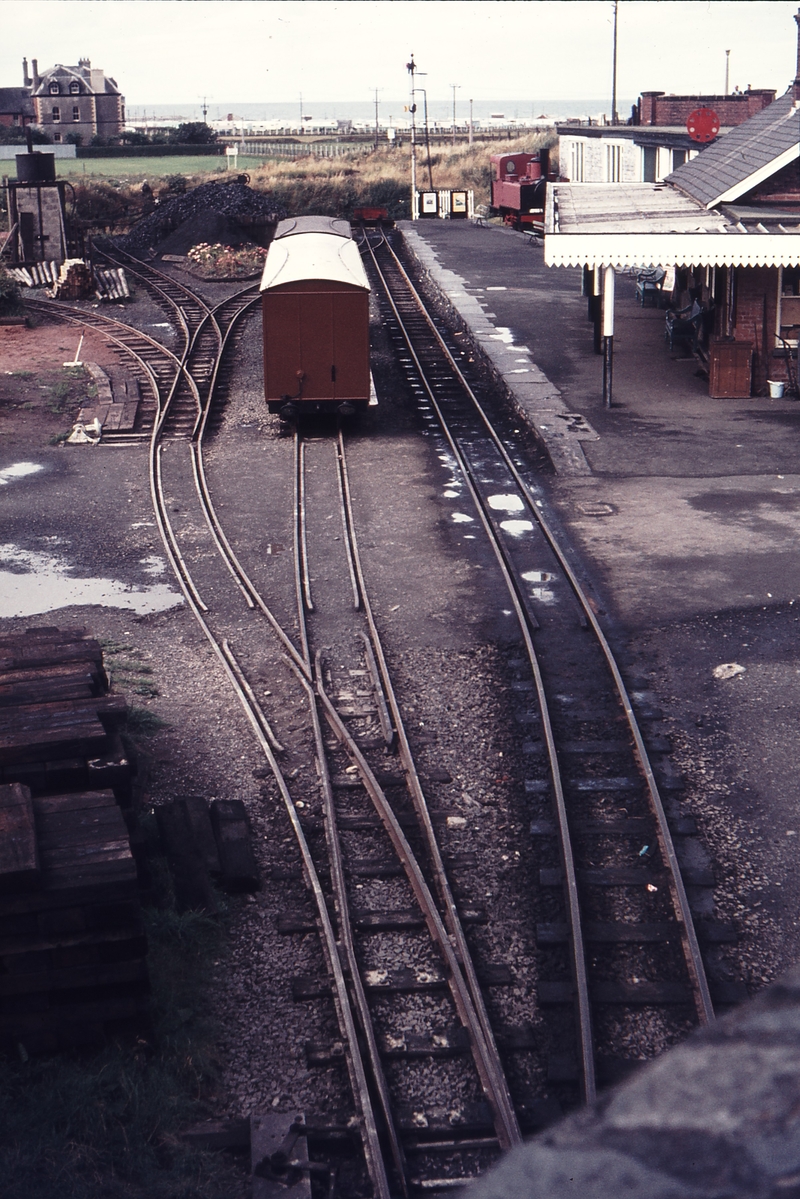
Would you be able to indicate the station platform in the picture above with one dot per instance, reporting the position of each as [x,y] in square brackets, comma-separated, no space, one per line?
[688,504]
[685,514]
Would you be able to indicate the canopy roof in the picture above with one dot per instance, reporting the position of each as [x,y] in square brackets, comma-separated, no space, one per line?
[650,224]
[314,256]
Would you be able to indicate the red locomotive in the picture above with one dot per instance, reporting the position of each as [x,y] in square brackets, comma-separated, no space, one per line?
[519,182]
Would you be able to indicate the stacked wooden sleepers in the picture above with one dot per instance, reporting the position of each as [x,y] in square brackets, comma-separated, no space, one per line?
[72,947]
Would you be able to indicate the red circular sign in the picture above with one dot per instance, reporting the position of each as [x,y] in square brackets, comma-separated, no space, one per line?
[703,125]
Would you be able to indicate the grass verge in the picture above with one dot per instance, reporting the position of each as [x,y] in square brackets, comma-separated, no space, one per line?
[108,1124]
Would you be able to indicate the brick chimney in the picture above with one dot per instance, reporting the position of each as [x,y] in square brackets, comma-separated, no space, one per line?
[796,86]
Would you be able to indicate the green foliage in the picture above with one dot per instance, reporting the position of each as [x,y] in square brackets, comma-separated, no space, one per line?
[194,133]
[10,295]
[15,135]
[143,722]
[107,1124]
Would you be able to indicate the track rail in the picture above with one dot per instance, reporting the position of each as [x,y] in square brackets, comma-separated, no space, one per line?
[469,432]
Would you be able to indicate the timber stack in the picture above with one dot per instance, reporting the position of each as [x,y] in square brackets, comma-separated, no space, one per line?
[72,944]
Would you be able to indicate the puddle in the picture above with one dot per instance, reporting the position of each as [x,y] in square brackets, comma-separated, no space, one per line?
[20,470]
[506,503]
[516,527]
[461,518]
[41,583]
[153,565]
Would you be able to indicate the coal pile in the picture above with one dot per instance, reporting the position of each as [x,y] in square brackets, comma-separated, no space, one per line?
[230,213]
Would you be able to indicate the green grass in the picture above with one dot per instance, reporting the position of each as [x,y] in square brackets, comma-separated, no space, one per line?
[107,1124]
[140,168]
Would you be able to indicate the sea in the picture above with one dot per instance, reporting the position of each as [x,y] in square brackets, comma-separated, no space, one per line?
[362,112]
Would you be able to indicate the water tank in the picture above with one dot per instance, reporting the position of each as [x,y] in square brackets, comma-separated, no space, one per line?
[36,168]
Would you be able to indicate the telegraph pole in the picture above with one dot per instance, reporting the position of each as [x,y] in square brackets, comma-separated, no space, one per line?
[614,114]
[377,134]
[454,86]
[411,67]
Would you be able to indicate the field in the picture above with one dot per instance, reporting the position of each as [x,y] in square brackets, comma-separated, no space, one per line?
[331,186]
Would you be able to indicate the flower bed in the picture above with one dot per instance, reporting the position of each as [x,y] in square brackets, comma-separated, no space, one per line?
[226,262]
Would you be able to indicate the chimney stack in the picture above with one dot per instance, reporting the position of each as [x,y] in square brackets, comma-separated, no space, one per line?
[796,86]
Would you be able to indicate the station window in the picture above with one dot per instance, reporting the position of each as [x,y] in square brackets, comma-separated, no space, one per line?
[76,112]
[613,164]
[56,114]
[788,324]
[54,89]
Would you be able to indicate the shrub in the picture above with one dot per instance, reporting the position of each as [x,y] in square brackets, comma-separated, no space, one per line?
[10,295]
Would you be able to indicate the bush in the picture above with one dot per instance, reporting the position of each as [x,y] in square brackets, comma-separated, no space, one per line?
[10,295]
[15,135]
[194,133]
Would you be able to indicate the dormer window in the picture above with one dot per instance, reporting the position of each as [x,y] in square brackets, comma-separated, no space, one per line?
[54,89]
[74,88]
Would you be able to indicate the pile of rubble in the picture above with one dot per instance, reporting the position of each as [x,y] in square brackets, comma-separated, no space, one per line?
[214,212]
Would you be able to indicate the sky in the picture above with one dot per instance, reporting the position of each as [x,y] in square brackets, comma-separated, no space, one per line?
[256,51]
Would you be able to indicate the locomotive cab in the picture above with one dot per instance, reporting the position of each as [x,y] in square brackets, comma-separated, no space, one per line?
[519,182]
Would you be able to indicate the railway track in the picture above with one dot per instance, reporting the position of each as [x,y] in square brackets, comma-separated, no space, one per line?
[621,970]
[621,945]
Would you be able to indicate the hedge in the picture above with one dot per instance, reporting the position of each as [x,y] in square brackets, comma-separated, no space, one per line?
[147,151]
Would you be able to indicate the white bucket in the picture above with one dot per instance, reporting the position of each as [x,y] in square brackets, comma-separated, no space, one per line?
[776,389]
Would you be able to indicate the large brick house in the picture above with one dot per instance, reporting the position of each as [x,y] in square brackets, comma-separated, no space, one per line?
[79,100]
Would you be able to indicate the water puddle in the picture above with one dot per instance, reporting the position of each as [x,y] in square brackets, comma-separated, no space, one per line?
[506,503]
[20,470]
[38,583]
[516,527]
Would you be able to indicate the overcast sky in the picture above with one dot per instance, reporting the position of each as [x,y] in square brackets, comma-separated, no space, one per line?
[165,51]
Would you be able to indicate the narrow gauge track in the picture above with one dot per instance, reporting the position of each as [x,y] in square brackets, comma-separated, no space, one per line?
[620,948]
[177,383]
[445,961]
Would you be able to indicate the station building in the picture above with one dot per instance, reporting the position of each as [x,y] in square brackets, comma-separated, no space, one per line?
[654,142]
[725,229]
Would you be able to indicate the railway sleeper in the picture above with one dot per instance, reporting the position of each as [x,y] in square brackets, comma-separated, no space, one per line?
[391,921]
[640,994]
[714,932]
[404,980]
[444,1043]
[626,876]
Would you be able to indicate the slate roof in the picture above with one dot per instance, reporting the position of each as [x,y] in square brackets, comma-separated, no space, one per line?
[16,101]
[735,158]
